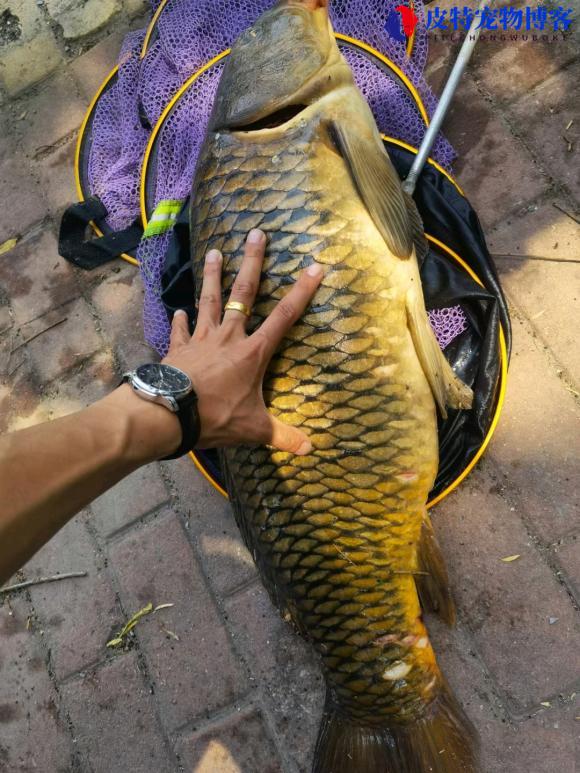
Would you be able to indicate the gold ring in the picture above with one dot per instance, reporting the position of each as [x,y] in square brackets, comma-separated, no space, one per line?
[237,306]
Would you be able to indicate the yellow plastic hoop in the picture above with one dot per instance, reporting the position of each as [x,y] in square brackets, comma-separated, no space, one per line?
[206,475]
[151,27]
[430,160]
[411,40]
[502,385]
[393,67]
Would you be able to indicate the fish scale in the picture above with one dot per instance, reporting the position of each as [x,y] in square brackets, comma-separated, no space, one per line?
[333,533]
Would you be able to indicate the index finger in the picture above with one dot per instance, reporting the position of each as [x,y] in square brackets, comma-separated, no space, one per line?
[289,310]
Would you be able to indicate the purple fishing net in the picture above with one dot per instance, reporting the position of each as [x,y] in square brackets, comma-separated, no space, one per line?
[118,141]
[448,323]
[189,34]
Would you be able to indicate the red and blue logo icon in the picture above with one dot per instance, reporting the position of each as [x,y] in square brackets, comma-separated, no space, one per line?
[401,23]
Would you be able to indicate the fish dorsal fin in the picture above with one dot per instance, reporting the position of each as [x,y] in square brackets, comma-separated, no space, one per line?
[378,185]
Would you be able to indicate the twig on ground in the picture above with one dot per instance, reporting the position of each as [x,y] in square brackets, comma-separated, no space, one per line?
[511,256]
[13,371]
[41,581]
[40,332]
[564,212]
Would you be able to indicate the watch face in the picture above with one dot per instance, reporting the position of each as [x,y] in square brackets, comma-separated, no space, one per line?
[164,378]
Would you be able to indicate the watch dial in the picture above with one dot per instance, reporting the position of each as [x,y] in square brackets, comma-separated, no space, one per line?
[164,377]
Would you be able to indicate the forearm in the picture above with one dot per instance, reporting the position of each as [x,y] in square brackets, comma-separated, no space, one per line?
[50,472]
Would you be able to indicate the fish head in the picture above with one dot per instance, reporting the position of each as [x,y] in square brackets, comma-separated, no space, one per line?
[286,61]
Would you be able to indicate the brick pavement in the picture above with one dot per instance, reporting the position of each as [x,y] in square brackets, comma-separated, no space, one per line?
[218,682]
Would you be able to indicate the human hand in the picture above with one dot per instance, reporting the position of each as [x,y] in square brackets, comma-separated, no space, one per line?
[227,366]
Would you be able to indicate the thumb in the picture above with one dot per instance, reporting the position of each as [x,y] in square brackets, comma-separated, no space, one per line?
[286,438]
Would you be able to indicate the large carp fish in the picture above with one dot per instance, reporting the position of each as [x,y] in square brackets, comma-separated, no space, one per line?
[341,536]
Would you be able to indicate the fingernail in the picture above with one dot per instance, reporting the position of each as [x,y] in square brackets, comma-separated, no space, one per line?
[180,311]
[256,236]
[213,256]
[315,270]
[305,448]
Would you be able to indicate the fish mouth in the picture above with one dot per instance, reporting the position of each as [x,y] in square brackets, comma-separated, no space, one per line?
[274,120]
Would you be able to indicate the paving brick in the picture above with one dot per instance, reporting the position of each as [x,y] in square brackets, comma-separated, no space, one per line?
[136,7]
[522,619]
[119,301]
[53,113]
[568,556]
[26,21]
[539,230]
[537,442]
[77,615]
[78,20]
[198,673]
[237,743]
[6,319]
[549,295]
[543,116]
[91,381]
[285,669]
[21,401]
[473,687]
[33,736]
[91,68]
[442,55]
[114,722]
[542,742]
[210,521]
[56,172]
[35,278]
[28,62]
[546,742]
[130,500]
[59,348]
[488,152]
[511,69]
[21,201]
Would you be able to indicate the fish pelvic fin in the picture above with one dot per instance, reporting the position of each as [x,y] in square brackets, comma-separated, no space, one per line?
[448,390]
[442,741]
[433,581]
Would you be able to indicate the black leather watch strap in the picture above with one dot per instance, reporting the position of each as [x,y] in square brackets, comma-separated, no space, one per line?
[188,416]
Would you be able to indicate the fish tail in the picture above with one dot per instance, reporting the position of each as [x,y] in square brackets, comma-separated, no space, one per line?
[443,741]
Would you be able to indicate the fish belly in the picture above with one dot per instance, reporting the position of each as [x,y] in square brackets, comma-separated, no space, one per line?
[334,534]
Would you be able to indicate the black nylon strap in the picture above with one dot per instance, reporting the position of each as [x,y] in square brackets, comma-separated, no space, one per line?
[94,252]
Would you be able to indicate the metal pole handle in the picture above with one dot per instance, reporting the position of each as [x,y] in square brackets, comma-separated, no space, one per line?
[448,93]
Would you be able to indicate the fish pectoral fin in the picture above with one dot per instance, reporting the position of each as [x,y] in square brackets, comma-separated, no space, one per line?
[418,230]
[448,390]
[433,585]
[378,185]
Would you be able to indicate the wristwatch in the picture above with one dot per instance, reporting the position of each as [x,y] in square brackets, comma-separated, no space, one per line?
[172,388]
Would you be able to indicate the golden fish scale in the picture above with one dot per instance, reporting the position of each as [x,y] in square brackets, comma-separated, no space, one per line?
[334,533]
